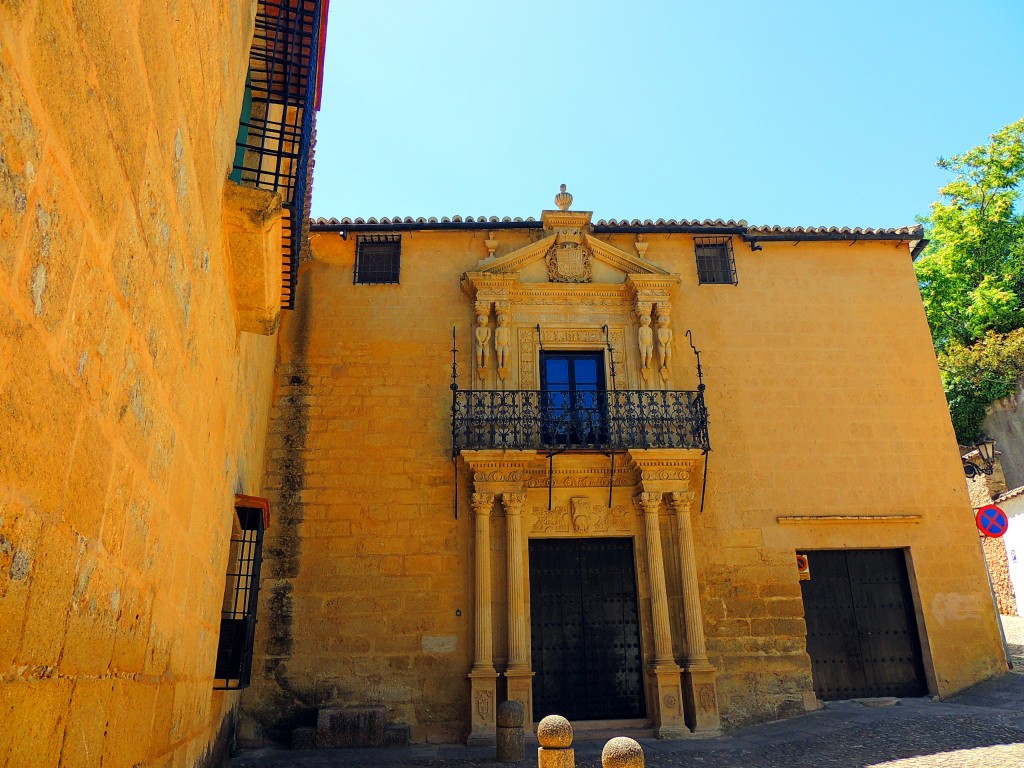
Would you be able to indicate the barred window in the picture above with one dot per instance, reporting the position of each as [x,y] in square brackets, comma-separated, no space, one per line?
[241,594]
[378,258]
[715,260]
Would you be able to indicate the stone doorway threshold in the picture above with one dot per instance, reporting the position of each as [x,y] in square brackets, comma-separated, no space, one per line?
[583,730]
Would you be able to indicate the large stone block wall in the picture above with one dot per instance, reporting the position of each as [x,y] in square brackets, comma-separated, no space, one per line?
[366,589]
[817,358]
[131,410]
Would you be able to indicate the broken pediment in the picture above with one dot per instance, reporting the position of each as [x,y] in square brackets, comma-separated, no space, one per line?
[568,251]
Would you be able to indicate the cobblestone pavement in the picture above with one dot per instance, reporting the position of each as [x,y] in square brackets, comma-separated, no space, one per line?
[982,727]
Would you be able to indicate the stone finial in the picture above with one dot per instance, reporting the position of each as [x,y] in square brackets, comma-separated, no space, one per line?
[622,752]
[492,244]
[554,732]
[563,199]
[640,246]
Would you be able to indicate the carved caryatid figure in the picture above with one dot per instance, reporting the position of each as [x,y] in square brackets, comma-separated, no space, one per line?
[664,343]
[501,341]
[645,337]
[483,338]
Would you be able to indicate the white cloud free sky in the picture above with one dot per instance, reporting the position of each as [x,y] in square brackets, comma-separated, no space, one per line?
[790,113]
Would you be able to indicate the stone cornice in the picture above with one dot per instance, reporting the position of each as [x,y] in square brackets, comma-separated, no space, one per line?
[488,286]
[631,264]
[515,261]
[627,262]
[565,219]
[664,470]
[651,288]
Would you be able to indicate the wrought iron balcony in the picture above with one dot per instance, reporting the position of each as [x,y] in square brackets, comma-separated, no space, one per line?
[578,421]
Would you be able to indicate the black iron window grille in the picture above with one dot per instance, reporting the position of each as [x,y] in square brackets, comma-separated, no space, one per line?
[716,263]
[378,259]
[241,594]
[275,129]
[609,421]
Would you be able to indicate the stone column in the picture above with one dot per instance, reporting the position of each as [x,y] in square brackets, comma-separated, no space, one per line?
[518,674]
[699,675]
[663,670]
[483,678]
[650,503]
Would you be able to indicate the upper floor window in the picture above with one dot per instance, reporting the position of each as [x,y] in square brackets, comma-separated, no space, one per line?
[378,258]
[715,260]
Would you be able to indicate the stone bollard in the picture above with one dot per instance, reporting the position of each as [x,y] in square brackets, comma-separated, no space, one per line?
[622,752]
[555,737]
[510,716]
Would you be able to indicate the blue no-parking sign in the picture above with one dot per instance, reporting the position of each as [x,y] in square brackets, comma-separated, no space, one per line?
[992,521]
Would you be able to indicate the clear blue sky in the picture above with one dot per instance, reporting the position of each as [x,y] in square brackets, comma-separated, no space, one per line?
[796,113]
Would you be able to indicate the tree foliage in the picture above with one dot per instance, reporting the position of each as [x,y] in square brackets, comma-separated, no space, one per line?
[980,374]
[972,276]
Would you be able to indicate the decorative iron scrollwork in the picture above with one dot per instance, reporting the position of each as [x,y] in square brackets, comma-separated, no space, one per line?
[602,421]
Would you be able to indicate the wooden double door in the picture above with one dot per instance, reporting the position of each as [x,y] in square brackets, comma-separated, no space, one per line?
[585,629]
[862,633]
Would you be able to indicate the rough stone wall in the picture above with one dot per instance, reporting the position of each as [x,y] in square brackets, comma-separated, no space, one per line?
[999,571]
[817,356]
[131,410]
[982,489]
[1004,423]
[366,584]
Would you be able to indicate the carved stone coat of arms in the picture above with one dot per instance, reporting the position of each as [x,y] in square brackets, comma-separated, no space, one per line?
[568,262]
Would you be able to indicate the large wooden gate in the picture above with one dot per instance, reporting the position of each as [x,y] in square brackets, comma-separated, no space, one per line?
[585,634]
[861,630]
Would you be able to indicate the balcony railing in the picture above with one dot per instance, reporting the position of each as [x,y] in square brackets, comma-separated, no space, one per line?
[274,146]
[582,421]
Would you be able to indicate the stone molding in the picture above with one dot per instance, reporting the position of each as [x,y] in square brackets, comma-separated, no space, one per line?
[253,221]
[833,519]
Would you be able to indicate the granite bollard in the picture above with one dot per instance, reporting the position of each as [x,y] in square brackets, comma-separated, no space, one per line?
[554,733]
[510,716]
[622,752]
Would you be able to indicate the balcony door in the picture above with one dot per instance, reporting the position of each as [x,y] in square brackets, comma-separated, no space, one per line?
[573,399]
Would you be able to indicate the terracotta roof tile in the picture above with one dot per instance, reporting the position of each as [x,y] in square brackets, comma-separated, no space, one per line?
[1011,494]
[755,231]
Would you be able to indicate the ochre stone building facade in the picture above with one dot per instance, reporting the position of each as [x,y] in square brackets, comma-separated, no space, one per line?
[550,527]
[584,523]
[139,297]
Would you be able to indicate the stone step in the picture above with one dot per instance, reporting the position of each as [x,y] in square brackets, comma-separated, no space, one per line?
[350,727]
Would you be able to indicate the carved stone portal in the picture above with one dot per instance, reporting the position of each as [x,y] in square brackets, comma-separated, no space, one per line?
[581,517]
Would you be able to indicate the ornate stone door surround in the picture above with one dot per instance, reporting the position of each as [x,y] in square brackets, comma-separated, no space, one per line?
[681,698]
[570,310]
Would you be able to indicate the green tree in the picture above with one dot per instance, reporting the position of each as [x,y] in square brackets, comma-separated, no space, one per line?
[972,276]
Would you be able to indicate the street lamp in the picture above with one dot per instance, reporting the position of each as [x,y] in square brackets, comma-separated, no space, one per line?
[986,448]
